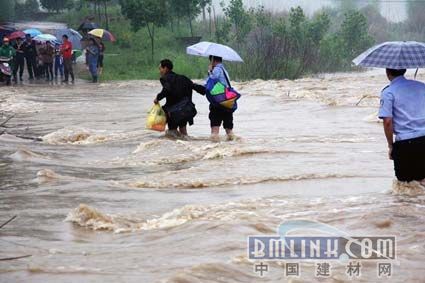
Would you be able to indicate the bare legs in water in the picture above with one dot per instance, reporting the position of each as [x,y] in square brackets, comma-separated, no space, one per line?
[215,134]
[180,133]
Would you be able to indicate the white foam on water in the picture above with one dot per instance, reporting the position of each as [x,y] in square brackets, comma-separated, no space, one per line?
[199,183]
[413,188]
[24,154]
[84,136]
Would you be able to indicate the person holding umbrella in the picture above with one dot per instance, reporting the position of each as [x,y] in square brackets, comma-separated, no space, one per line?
[58,61]
[20,59]
[46,54]
[217,115]
[92,58]
[30,54]
[220,94]
[403,112]
[402,105]
[66,50]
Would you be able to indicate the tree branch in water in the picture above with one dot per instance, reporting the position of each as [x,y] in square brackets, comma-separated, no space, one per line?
[7,120]
[13,258]
[5,223]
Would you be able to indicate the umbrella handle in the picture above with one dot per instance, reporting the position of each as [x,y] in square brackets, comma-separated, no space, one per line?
[417,69]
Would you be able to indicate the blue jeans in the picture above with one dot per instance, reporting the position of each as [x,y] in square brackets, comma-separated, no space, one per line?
[93,68]
[58,66]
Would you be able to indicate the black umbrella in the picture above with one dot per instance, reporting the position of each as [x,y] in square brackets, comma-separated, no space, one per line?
[87,26]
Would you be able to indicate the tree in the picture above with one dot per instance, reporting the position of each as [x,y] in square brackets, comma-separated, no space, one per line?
[145,13]
[189,9]
[7,9]
[96,8]
[354,34]
[27,10]
[415,16]
[105,10]
[240,19]
[203,4]
[54,5]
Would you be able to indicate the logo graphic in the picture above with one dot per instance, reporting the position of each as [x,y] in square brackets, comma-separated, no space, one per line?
[330,245]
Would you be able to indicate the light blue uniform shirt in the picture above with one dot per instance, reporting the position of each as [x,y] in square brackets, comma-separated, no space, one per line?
[218,74]
[404,101]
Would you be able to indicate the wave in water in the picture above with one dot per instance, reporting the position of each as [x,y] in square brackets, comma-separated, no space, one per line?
[12,100]
[91,218]
[24,154]
[186,183]
[82,136]
[372,118]
[413,188]
[48,175]
[154,152]
[332,92]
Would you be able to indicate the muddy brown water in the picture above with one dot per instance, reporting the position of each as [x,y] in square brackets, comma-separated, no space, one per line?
[102,199]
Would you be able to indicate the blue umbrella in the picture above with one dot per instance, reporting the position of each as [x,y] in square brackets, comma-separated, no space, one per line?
[33,32]
[73,36]
[393,55]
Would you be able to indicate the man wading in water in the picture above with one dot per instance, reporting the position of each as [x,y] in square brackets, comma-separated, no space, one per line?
[403,111]
[176,89]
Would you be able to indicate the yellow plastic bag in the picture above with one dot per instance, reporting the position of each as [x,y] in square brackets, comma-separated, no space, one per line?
[157,119]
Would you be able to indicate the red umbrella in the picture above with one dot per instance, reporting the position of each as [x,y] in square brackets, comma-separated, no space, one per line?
[16,34]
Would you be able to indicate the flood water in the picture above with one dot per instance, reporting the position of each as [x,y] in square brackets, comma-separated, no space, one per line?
[102,199]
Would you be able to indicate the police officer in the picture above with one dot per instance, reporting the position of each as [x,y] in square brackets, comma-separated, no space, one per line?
[403,112]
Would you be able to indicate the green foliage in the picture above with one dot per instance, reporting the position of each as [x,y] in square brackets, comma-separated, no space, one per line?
[354,34]
[145,13]
[273,46]
[55,5]
[288,46]
[222,30]
[415,17]
[7,9]
[27,9]
[240,19]
[188,9]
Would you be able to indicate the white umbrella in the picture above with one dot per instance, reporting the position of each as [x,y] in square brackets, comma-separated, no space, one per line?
[73,36]
[206,49]
[46,37]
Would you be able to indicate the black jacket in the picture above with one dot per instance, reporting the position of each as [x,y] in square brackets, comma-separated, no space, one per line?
[29,49]
[176,87]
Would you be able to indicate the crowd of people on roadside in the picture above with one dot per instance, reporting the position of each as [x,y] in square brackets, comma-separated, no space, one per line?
[49,60]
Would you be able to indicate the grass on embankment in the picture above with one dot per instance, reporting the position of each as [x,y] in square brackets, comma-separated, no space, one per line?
[129,58]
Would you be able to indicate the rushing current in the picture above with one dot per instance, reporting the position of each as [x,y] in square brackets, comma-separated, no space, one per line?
[99,198]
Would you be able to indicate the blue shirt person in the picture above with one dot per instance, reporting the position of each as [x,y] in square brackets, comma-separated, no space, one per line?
[219,116]
[92,58]
[403,111]
[217,73]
